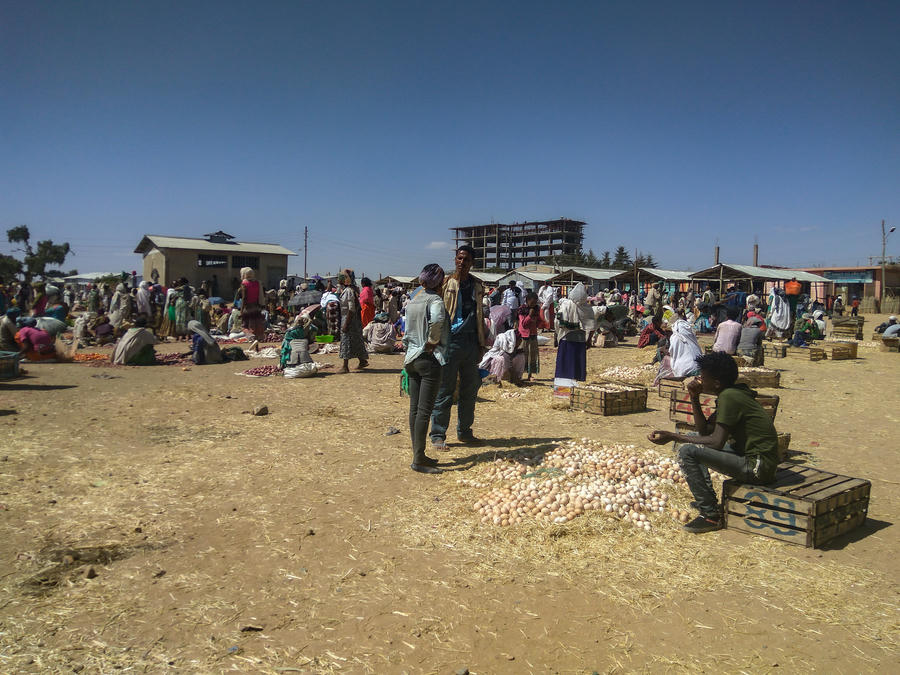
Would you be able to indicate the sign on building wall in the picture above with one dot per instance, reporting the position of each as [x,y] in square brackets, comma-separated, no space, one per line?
[851,277]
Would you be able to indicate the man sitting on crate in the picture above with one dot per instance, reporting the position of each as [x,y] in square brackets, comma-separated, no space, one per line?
[751,456]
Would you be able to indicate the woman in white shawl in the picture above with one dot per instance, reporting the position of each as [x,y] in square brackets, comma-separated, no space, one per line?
[779,317]
[574,320]
[502,361]
[120,307]
[143,299]
[681,359]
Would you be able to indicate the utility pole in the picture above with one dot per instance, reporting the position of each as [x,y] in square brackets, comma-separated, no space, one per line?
[305,241]
[884,236]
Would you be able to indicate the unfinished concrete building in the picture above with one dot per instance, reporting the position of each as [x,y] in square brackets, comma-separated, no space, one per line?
[509,246]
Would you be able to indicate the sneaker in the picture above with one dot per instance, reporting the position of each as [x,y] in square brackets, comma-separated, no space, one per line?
[702,524]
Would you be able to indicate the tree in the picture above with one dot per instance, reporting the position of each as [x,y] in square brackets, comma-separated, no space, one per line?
[39,257]
[621,260]
[9,267]
[605,260]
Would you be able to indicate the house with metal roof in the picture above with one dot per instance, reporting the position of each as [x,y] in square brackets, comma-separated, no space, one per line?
[217,258]
[595,279]
[644,277]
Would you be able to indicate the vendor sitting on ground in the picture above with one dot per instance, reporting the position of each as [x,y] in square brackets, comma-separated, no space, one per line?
[750,344]
[295,345]
[103,330]
[204,348]
[380,334]
[36,344]
[882,327]
[728,333]
[893,330]
[750,457]
[652,333]
[505,360]
[135,348]
[806,331]
[8,330]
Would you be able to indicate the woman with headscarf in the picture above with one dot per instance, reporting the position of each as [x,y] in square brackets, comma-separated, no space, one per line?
[8,330]
[366,301]
[251,296]
[573,320]
[182,302]
[819,318]
[505,360]
[55,308]
[352,345]
[143,300]
[331,308]
[295,345]
[426,338]
[380,334]
[204,348]
[135,348]
[683,348]
[34,343]
[93,299]
[120,307]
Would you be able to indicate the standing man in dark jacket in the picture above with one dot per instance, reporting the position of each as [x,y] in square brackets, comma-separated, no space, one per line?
[463,296]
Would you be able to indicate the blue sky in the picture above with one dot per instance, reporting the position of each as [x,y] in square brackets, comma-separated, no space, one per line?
[379,126]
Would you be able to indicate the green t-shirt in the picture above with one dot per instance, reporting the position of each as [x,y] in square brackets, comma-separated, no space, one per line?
[749,424]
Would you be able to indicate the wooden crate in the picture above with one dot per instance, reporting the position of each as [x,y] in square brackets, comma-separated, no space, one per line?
[840,351]
[849,327]
[890,344]
[9,365]
[804,506]
[618,399]
[681,409]
[775,350]
[784,442]
[760,378]
[806,353]
[667,385]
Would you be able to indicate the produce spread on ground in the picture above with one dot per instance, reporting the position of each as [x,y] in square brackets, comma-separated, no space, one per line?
[154,519]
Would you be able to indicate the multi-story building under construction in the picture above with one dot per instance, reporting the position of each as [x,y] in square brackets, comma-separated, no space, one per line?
[509,246]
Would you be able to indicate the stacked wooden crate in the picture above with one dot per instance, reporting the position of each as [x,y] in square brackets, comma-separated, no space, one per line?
[806,353]
[839,351]
[759,378]
[849,327]
[609,398]
[774,350]
[681,410]
[890,344]
[804,506]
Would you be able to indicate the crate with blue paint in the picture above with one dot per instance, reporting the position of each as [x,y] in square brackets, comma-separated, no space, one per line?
[804,506]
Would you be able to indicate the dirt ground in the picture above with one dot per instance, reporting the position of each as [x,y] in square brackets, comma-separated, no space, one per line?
[148,523]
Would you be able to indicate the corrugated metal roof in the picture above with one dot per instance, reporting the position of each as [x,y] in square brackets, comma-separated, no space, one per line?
[489,277]
[665,275]
[593,272]
[751,271]
[532,276]
[397,278]
[161,241]
[91,276]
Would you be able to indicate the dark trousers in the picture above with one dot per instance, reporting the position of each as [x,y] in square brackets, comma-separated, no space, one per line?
[463,355]
[424,379]
[697,460]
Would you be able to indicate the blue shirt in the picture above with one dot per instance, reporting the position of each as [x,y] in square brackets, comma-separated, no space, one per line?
[426,323]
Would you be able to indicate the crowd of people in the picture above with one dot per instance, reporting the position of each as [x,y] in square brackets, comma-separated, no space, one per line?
[455,334]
